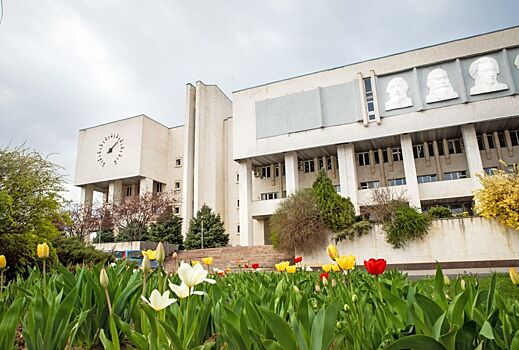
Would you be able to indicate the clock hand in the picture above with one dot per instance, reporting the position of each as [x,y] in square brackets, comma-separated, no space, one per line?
[111,148]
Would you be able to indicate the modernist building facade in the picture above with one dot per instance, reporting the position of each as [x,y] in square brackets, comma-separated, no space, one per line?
[422,123]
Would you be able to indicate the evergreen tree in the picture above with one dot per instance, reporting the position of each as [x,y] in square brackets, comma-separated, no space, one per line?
[214,231]
[338,212]
[168,229]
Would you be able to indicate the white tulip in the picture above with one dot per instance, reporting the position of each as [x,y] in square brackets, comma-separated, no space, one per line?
[182,291]
[193,275]
[157,301]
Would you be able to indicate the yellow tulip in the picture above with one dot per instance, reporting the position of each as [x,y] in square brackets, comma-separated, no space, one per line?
[327,267]
[514,276]
[291,269]
[43,251]
[208,260]
[336,268]
[194,262]
[151,254]
[346,262]
[282,266]
[3,262]
[332,251]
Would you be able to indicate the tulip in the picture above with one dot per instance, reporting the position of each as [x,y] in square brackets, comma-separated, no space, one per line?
[298,259]
[335,268]
[282,266]
[43,251]
[183,291]
[332,251]
[158,301]
[346,262]
[103,279]
[324,275]
[446,280]
[308,269]
[295,289]
[346,308]
[146,265]
[514,276]
[462,284]
[327,267]
[317,288]
[354,298]
[160,253]
[228,269]
[195,262]
[375,266]
[175,255]
[3,262]
[255,266]
[208,261]
[291,268]
[192,276]
[151,254]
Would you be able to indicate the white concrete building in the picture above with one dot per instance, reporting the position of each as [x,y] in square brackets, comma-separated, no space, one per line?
[423,122]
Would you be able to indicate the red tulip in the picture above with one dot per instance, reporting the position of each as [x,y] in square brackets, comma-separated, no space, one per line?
[375,266]
[255,265]
[298,259]
[324,275]
[246,266]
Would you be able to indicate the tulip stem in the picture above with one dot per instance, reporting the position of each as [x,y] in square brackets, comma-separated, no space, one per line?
[144,284]
[44,275]
[108,301]
[1,282]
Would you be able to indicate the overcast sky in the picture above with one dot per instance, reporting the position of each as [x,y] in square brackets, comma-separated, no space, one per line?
[70,64]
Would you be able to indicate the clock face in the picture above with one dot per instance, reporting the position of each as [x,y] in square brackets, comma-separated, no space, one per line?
[110,150]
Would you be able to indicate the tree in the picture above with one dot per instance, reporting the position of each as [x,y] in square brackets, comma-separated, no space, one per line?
[298,223]
[83,219]
[499,196]
[30,192]
[134,215]
[213,229]
[167,229]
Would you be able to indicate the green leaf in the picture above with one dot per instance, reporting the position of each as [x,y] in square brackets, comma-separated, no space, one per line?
[465,336]
[418,342]
[486,331]
[280,328]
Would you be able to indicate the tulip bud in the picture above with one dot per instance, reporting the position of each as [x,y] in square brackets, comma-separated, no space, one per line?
[103,278]
[462,284]
[338,325]
[334,283]
[175,255]
[332,251]
[146,265]
[43,251]
[346,308]
[161,254]
[295,289]
[446,280]
[354,298]
[3,262]
[317,288]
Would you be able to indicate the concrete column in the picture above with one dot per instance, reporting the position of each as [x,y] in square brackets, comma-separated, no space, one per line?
[381,167]
[348,173]
[146,185]
[292,172]
[188,159]
[87,195]
[115,190]
[439,169]
[245,195]
[413,195]
[474,162]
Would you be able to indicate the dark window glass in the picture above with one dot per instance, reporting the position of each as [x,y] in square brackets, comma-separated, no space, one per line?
[367,84]
[490,139]
[384,155]
[440,149]
[375,156]
[481,145]
[502,139]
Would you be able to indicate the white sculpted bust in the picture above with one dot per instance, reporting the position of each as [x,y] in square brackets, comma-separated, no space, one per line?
[484,71]
[397,90]
[440,88]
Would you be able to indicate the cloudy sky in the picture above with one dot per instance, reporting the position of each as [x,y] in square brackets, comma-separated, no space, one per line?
[70,64]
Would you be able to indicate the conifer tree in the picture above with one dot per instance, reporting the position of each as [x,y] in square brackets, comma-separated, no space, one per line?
[213,230]
[168,229]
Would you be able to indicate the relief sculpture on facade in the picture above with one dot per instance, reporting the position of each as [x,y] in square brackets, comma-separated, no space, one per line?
[484,71]
[440,88]
[397,89]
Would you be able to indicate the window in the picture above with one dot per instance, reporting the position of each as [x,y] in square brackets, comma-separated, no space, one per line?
[490,139]
[237,203]
[269,195]
[384,155]
[237,178]
[329,163]
[178,162]
[177,185]
[490,171]
[337,188]
[427,178]
[455,146]
[363,158]
[441,150]
[418,151]
[370,103]
[514,135]
[481,144]
[276,170]
[237,228]
[369,184]
[158,187]
[129,191]
[308,166]
[397,154]
[265,171]
[177,210]
[502,139]
[396,182]
[375,157]
[454,175]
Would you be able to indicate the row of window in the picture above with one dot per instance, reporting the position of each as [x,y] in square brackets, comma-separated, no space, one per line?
[514,139]
[453,175]
[396,154]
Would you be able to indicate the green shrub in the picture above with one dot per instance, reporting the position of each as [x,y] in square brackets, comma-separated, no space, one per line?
[72,251]
[107,236]
[440,212]
[406,225]
[214,231]
[20,252]
[167,229]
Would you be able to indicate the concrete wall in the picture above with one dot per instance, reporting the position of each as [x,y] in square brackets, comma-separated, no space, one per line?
[460,239]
